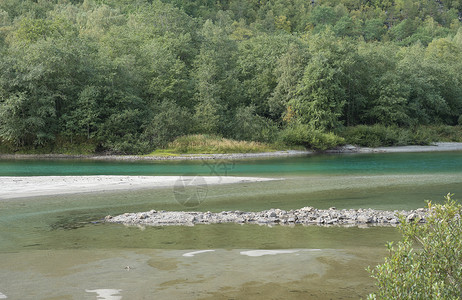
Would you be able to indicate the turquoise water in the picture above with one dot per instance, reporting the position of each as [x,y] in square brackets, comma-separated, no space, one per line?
[51,245]
[380,181]
[328,164]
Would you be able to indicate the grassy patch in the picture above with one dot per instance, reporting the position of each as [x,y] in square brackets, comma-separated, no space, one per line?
[162,153]
[211,144]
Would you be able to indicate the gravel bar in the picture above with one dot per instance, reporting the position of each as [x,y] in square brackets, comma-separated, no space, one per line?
[304,216]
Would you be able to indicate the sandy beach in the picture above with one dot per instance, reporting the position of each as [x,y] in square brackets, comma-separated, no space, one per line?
[20,187]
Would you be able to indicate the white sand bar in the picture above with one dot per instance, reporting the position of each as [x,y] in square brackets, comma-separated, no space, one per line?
[19,187]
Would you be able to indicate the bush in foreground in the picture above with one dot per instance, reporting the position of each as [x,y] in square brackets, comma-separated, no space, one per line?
[427,263]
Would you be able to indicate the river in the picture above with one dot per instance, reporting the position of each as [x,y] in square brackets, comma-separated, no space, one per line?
[54,247]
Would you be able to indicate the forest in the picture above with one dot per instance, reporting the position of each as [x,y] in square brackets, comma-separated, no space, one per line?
[123,76]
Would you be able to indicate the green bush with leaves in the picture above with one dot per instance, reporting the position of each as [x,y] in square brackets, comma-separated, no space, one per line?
[381,135]
[304,135]
[249,126]
[427,263]
[169,121]
[371,136]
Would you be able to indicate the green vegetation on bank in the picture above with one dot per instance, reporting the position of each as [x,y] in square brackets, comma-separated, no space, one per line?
[117,76]
[206,144]
[380,135]
[427,263]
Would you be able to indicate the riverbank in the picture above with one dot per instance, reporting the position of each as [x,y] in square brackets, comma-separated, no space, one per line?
[21,187]
[304,216]
[160,157]
[436,147]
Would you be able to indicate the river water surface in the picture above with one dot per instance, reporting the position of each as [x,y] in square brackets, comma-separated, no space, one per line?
[54,247]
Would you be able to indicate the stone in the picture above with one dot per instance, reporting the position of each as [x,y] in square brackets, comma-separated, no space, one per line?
[411,217]
[305,215]
[364,219]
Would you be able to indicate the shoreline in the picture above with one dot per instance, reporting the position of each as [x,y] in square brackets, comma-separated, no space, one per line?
[178,157]
[436,147]
[306,216]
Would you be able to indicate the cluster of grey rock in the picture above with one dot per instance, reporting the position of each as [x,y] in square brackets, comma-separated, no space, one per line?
[305,216]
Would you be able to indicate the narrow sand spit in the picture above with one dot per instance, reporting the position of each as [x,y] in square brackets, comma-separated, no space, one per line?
[19,187]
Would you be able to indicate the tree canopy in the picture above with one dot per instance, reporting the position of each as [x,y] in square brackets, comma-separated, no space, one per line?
[130,76]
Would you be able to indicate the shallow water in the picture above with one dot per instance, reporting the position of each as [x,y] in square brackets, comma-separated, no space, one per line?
[51,248]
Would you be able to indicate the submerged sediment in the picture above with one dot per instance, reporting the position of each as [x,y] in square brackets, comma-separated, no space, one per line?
[304,216]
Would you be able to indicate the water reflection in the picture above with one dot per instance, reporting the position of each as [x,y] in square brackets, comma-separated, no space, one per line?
[106,294]
[191,254]
[257,253]
[169,274]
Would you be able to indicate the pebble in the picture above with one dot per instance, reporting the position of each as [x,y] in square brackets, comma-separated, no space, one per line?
[305,215]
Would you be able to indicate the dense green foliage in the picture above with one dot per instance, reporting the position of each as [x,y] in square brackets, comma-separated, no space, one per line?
[427,263]
[381,135]
[131,76]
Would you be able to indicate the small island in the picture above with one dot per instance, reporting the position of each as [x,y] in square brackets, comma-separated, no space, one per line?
[303,216]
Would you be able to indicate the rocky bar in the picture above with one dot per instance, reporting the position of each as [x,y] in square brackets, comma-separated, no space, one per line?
[304,216]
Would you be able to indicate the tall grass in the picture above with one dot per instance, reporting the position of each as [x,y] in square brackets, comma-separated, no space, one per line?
[212,144]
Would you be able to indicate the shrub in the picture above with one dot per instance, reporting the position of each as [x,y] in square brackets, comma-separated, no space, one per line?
[78,145]
[433,270]
[249,126]
[169,122]
[372,136]
[304,135]
[120,133]
[6,147]
[423,136]
[380,135]
[446,133]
